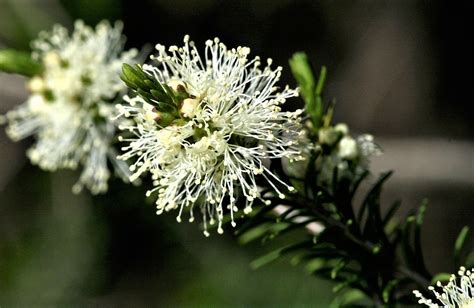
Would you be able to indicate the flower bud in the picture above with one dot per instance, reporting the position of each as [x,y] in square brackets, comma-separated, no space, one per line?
[150,116]
[328,136]
[36,85]
[348,148]
[188,108]
[177,85]
[51,58]
[164,119]
[36,103]
[342,128]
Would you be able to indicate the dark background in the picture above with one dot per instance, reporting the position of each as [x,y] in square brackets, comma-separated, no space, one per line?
[401,70]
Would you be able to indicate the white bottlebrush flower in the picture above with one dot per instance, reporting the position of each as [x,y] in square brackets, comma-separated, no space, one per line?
[227,129]
[457,293]
[70,109]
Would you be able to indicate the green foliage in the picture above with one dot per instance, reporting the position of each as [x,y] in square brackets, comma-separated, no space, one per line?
[350,298]
[459,245]
[165,100]
[303,74]
[353,250]
[373,259]
[443,277]
[310,90]
[18,62]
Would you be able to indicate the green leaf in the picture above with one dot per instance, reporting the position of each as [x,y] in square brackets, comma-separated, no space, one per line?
[161,96]
[387,291]
[270,257]
[303,74]
[318,106]
[392,210]
[417,239]
[327,117]
[310,175]
[310,90]
[260,231]
[373,229]
[351,281]
[325,253]
[347,298]
[164,119]
[273,255]
[358,181]
[339,265]
[18,62]
[440,277]
[314,265]
[470,260]
[374,191]
[321,81]
[408,253]
[134,77]
[459,244]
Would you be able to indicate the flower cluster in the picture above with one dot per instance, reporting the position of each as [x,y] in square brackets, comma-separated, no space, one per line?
[340,149]
[217,134]
[459,292]
[69,110]
[336,149]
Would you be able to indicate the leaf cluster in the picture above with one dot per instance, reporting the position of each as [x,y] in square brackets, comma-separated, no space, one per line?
[161,96]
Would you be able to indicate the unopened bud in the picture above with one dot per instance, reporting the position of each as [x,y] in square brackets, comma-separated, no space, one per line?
[52,59]
[36,85]
[188,108]
[342,128]
[348,148]
[36,103]
[177,85]
[161,118]
[150,116]
[328,136]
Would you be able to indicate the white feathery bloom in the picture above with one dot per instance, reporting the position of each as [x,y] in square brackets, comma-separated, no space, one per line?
[69,111]
[226,131]
[458,293]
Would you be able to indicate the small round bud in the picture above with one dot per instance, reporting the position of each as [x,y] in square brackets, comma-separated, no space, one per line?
[342,128]
[177,85]
[348,148]
[51,58]
[188,108]
[37,103]
[36,85]
[328,136]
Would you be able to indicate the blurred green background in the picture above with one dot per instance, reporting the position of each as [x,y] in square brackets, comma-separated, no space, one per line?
[401,70]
